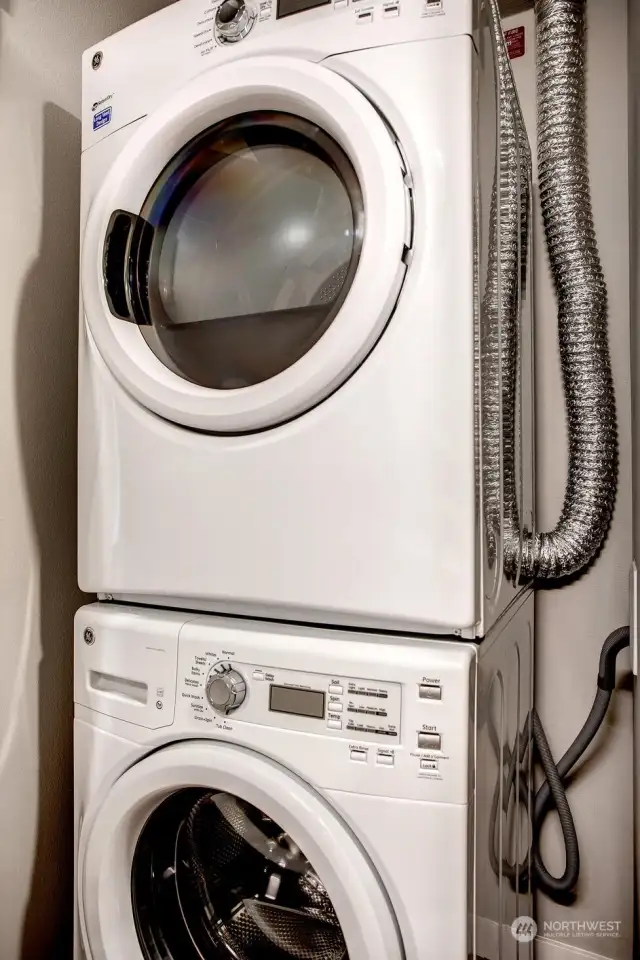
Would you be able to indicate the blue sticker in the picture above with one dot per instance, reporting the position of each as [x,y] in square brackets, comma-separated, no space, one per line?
[102,118]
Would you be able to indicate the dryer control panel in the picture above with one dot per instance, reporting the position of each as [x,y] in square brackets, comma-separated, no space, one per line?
[336,706]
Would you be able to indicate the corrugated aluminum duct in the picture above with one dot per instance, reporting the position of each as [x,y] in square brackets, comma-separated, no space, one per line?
[582,305]
[509,220]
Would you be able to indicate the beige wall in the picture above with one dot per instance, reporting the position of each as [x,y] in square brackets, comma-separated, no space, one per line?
[634,209]
[40,47]
[573,621]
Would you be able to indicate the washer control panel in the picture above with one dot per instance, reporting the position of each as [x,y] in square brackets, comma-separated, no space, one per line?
[345,712]
[336,706]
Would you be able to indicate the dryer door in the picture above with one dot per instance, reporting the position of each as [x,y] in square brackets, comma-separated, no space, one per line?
[254,232]
[209,851]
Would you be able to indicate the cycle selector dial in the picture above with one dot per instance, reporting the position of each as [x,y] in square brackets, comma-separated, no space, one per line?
[234,20]
[226,689]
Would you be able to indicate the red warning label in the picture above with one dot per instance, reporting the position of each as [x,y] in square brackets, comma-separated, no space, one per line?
[515,42]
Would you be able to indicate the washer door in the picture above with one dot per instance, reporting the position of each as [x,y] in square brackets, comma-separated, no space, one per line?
[254,231]
[209,851]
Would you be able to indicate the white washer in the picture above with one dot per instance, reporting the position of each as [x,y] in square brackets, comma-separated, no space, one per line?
[335,768]
[280,377]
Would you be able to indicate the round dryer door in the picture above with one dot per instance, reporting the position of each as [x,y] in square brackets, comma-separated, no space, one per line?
[209,851]
[254,233]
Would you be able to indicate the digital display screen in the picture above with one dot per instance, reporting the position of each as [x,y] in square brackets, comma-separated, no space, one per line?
[301,703]
[287,7]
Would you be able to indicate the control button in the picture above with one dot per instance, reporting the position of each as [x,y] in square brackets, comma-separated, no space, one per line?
[426,764]
[385,760]
[335,688]
[360,756]
[430,691]
[340,4]
[390,9]
[335,708]
[258,675]
[220,668]
[234,19]
[228,10]
[429,741]
[364,16]
[334,724]
[225,692]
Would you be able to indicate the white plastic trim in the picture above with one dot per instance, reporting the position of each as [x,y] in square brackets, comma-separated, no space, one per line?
[320,96]
[110,833]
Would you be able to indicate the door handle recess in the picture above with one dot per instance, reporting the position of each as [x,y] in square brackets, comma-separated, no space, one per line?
[125,262]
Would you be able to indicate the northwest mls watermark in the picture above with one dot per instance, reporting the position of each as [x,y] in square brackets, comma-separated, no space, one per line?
[525,929]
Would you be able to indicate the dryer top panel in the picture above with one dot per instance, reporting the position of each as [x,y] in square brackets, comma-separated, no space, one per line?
[128,75]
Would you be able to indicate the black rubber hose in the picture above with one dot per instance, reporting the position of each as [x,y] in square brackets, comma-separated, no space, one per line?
[552,791]
[568,761]
[554,787]
[615,642]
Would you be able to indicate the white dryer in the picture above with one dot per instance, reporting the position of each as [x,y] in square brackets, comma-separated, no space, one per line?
[283,387]
[270,792]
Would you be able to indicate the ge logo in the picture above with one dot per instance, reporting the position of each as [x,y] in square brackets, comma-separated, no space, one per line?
[524,929]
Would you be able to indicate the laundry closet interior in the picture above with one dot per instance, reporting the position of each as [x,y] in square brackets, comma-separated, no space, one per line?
[320,516]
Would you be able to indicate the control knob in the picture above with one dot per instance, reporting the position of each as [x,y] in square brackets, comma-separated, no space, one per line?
[226,690]
[234,20]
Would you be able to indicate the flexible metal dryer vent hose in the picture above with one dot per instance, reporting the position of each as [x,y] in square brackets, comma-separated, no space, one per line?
[508,252]
[581,300]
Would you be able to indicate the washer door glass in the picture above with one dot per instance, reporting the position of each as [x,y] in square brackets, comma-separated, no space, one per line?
[244,251]
[214,877]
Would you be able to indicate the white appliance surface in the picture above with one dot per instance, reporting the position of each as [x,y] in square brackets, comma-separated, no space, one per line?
[342,488]
[360,747]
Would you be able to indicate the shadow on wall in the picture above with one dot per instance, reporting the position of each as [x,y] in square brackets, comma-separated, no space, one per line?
[46,365]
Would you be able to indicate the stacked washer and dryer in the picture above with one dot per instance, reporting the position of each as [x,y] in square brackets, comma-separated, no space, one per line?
[306,464]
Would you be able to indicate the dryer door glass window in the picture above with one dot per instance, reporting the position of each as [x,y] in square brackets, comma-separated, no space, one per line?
[246,247]
[215,878]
